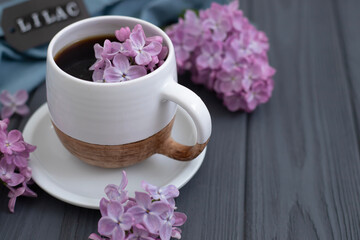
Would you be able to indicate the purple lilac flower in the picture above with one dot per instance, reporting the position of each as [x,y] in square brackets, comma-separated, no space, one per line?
[7,174]
[122,70]
[230,55]
[258,93]
[11,142]
[217,21]
[168,220]
[135,47]
[116,222]
[210,56]
[229,82]
[165,194]
[14,103]
[148,212]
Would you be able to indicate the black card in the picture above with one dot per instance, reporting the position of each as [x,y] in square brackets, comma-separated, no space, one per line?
[35,22]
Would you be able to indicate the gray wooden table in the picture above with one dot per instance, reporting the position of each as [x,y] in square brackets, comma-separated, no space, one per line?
[290,170]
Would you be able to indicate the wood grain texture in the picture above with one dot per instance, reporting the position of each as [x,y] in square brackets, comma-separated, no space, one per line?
[116,156]
[290,170]
[302,149]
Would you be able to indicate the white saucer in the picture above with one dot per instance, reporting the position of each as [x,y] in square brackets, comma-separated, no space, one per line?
[69,179]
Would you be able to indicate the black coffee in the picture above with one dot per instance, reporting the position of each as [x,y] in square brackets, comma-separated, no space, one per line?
[78,57]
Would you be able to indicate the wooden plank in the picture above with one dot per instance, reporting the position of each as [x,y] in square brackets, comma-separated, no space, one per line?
[348,19]
[302,153]
[214,199]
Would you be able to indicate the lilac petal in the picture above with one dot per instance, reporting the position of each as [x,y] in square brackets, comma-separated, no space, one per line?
[103,206]
[17,147]
[137,212]
[98,75]
[3,137]
[143,58]
[98,49]
[176,233]
[112,192]
[143,199]
[181,54]
[7,111]
[152,222]
[21,97]
[126,221]
[13,194]
[115,210]
[5,98]
[106,226]
[136,72]
[4,124]
[121,62]
[118,234]
[29,148]
[124,181]
[163,53]
[95,236]
[29,193]
[165,231]
[22,110]
[5,165]
[15,179]
[158,39]
[137,37]
[112,74]
[14,136]
[11,204]
[202,61]
[170,191]
[128,50]
[122,34]
[151,189]
[180,218]
[159,208]
[154,48]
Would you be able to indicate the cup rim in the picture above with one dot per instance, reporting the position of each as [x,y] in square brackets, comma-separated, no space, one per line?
[166,39]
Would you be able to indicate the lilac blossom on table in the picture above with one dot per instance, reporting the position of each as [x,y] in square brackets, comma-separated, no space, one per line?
[132,56]
[226,53]
[150,215]
[14,103]
[15,173]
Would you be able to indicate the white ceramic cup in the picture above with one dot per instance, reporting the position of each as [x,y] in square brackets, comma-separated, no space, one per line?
[115,114]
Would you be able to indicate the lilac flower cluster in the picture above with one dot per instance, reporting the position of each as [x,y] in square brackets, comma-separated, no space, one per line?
[226,53]
[15,173]
[132,56]
[14,103]
[150,215]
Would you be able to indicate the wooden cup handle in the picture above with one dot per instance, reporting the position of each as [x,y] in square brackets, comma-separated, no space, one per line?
[199,113]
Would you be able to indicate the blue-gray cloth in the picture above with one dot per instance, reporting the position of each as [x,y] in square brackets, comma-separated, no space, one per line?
[26,70]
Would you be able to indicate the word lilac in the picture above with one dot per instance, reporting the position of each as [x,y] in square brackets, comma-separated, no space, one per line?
[132,56]
[150,215]
[15,173]
[226,53]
